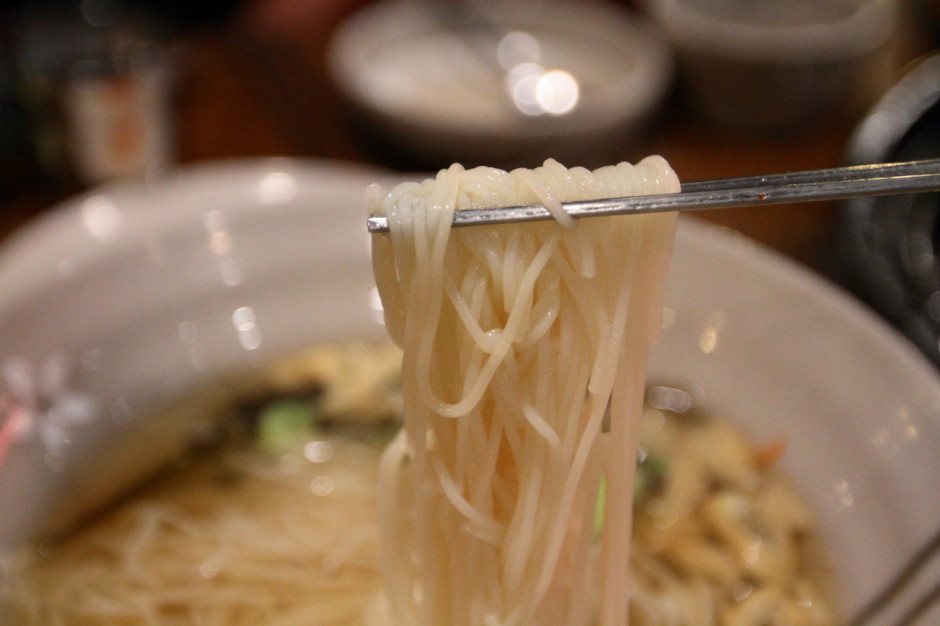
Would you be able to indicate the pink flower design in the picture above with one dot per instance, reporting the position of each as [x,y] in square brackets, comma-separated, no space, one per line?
[37,400]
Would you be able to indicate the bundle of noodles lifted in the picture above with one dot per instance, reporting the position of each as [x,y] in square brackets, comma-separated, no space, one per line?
[517,339]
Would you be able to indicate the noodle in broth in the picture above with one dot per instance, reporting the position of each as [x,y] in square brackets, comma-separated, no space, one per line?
[240,535]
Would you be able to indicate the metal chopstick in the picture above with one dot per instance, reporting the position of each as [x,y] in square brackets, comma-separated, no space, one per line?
[805,186]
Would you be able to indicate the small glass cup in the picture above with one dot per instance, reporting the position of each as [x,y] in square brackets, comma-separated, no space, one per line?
[97,83]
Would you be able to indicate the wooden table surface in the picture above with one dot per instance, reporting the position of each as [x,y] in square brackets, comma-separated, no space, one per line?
[257,85]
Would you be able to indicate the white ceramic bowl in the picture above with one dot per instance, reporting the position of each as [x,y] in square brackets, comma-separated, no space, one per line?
[779,64]
[121,301]
[434,88]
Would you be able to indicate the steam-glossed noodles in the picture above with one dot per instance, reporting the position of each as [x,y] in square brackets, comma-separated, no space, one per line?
[516,339]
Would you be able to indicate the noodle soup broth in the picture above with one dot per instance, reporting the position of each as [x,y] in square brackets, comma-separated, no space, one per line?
[271,517]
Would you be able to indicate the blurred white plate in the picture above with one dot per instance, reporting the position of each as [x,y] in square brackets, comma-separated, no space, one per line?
[487,80]
[133,295]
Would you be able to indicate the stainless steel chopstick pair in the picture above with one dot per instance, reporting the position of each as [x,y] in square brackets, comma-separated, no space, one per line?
[807,186]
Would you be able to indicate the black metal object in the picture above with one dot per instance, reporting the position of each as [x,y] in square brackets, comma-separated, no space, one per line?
[888,252]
